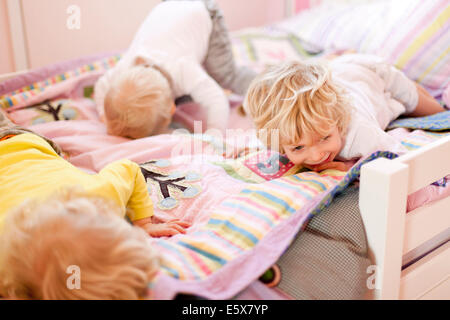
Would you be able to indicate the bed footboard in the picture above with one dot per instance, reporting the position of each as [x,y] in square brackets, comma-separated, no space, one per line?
[385,185]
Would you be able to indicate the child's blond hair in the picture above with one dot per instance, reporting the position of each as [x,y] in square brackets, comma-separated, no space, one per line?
[296,99]
[42,241]
[139,102]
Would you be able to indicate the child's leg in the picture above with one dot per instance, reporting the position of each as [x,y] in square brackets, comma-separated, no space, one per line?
[219,61]
[417,101]
[426,105]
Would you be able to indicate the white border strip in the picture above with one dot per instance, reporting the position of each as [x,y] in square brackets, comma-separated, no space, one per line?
[16,28]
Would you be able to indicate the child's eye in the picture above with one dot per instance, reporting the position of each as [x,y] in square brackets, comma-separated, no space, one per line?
[298,148]
[326,138]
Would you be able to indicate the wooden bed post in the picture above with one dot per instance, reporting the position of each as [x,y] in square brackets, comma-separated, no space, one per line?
[16,25]
[382,201]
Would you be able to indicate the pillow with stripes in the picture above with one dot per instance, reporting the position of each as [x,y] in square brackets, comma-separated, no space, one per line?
[413,35]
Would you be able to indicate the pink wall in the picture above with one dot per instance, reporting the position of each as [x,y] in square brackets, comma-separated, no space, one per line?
[301,5]
[106,25]
[6,55]
[251,13]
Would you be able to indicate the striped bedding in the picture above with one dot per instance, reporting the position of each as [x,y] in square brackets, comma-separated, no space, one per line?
[31,93]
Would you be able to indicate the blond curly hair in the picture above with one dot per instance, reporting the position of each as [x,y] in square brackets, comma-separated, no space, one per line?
[41,241]
[138,102]
[296,99]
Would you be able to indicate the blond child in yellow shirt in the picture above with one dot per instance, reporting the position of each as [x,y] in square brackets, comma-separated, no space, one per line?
[54,216]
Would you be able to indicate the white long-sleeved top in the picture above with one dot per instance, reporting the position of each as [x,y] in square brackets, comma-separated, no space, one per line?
[175,36]
[379,94]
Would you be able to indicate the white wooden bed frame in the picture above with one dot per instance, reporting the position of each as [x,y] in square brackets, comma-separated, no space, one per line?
[391,233]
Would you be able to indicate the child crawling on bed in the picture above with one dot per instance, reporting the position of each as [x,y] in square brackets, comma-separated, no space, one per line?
[182,48]
[54,216]
[325,113]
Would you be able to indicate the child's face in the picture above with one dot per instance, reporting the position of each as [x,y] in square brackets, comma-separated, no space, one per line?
[314,151]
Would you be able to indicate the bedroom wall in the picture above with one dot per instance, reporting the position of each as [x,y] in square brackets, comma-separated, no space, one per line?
[6,54]
[106,25]
[251,13]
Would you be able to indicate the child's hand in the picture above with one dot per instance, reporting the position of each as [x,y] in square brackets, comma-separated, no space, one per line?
[166,229]
[337,165]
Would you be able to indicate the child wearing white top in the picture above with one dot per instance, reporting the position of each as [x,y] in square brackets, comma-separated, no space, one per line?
[164,62]
[336,111]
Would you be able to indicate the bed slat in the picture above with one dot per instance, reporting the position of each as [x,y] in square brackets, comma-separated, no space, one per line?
[426,274]
[440,292]
[427,164]
[426,222]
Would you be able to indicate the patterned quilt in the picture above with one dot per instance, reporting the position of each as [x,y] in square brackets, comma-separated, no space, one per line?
[246,230]
[249,210]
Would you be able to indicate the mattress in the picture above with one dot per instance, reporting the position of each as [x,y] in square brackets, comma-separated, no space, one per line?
[330,259]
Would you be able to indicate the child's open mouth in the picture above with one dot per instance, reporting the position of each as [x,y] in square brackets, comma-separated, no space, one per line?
[328,159]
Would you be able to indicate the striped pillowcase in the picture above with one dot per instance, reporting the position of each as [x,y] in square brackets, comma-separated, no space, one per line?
[413,35]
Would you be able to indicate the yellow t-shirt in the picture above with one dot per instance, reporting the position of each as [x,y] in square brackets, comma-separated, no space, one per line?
[31,169]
